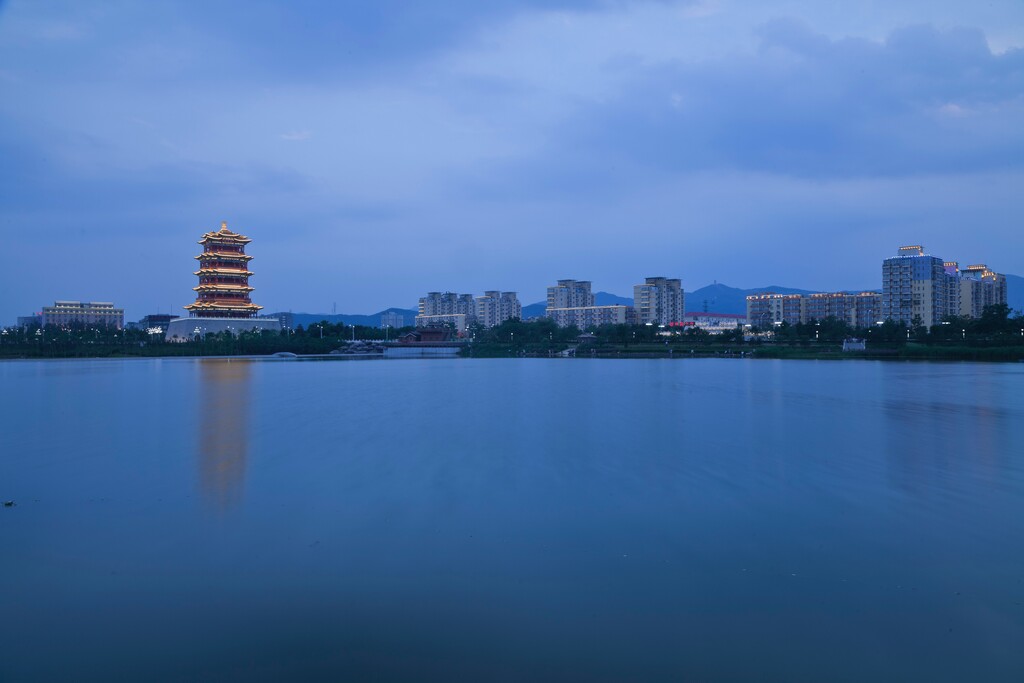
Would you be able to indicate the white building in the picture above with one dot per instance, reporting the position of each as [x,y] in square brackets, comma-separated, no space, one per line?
[447,303]
[570,294]
[916,286]
[494,308]
[585,317]
[976,287]
[447,307]
[97,313]
[659,301]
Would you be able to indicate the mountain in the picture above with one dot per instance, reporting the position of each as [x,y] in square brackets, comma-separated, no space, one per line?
[609,299]
[307,319]
[721,298]
[1015,292]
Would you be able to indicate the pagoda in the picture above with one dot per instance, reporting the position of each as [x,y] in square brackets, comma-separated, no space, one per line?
[223,302]
[223,290]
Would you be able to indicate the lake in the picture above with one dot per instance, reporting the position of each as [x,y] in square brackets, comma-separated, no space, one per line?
[694,520]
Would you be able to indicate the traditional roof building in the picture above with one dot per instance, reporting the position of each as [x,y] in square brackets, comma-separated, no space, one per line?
[223,302]
[223,290]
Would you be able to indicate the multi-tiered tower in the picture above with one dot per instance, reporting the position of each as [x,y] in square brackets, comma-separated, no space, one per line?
[223,290]
[223,302]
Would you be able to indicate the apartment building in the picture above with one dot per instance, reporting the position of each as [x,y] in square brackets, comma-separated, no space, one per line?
[446,308]
[570,294]
[585,317]
[659,301]
[858,310]
[916,286]
[494,308]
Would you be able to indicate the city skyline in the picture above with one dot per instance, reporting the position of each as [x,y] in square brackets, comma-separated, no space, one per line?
[503,146]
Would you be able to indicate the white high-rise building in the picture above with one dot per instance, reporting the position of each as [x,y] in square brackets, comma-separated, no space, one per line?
[570,294]
[494,308]
[979,287]
[916,287]
[659,301]
[447,308]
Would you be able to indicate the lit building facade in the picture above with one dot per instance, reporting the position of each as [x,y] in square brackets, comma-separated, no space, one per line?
[917,285]
[659,301]
[95,313]
[494,308]
[979,287]
[585,317]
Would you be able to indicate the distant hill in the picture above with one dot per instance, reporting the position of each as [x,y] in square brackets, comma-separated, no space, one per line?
[721,298]
[600,299]
[1015,292]
[307,319]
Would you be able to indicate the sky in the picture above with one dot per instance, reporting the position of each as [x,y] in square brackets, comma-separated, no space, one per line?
[375,151]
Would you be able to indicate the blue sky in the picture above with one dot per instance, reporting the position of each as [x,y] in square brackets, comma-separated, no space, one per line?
[375,151]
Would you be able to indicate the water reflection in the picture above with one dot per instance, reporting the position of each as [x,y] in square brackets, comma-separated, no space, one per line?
[223,429]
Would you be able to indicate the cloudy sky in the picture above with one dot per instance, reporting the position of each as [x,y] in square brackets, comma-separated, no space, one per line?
[378,150]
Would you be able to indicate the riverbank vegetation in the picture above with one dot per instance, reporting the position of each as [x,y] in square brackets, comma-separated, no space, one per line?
[995,336]
[82,341]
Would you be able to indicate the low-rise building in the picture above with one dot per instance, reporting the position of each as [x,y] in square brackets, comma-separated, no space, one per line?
[30,320]
[585,317]
[95,313]
[714,323]
[391,319]
[286,319]
[459,321]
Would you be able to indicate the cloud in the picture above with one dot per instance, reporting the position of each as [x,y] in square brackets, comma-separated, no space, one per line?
[805,105]
[505,144]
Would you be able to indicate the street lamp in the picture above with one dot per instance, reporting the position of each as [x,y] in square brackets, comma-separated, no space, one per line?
[963,332]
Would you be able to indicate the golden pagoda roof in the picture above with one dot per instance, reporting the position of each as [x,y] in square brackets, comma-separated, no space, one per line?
[223,271]
[227,255]
[224,235]
[223,287]
[217,306]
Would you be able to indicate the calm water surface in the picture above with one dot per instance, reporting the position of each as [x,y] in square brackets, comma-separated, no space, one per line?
[511,520]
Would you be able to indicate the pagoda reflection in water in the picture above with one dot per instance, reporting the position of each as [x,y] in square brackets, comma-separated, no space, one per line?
[223,429]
